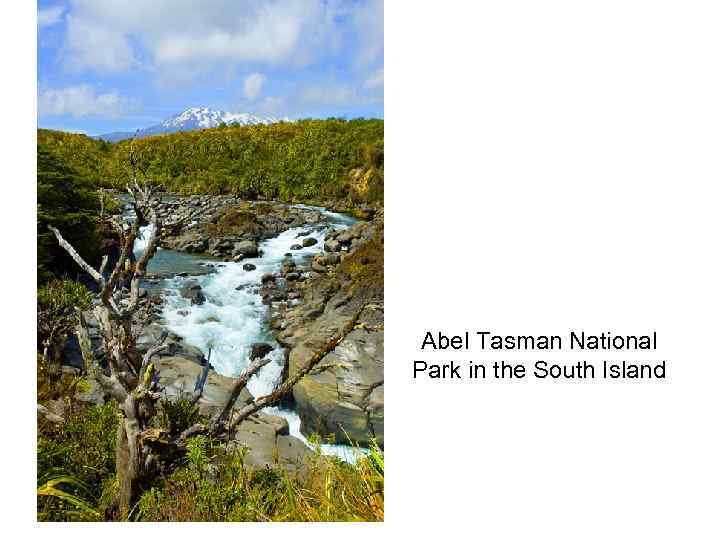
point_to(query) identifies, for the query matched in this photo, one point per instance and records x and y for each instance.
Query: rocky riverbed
(288, 276)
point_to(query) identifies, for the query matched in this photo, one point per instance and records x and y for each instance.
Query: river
(233, 316)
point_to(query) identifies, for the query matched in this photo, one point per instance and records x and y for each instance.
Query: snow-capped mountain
(192, 119)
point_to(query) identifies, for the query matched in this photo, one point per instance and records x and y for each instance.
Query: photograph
(210, 261)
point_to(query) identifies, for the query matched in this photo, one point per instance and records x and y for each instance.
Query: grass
(76, 463)
(215, 486)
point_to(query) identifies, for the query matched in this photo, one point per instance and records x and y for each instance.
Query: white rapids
(234, 317)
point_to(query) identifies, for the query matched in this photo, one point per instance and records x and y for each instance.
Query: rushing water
(233, 316)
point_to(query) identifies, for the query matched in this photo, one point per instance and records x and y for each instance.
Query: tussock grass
(221, 488)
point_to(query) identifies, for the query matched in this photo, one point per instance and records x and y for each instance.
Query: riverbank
(267, 273)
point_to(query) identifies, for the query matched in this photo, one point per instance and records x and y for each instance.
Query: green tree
(65, 199)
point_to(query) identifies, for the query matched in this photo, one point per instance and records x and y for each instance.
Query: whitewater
(233, 317)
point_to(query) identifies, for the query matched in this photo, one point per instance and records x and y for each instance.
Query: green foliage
(327, 490)
(178, 414)
(50, 489)
(76, 480)
(198, 453)
(308, 160)
(83, 449)
(65, 199)
(57, 302)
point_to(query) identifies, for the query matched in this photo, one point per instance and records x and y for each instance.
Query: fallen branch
(238, 387)
(286, 387)
(77, 258)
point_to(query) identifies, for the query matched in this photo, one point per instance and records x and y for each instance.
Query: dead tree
(129, 376)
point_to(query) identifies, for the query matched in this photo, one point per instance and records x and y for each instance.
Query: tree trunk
(127, 467)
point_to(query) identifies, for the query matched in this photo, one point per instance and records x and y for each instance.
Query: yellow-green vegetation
(66, 199)
(237, 220)
(362, 271)
(216, 486)
(81, 452)
(57, 302)
(76, 464)
(307, 160)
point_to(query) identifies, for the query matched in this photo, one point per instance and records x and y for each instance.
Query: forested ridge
(307, 160)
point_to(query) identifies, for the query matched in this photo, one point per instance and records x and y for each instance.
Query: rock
(193, 292)
(332, 246)
(309, 242)
(347, 399)
(295, 247)
(318, 267)
(178, 375)
(292, 276)
(246, 248)
(248, 267)
(269, 444)
(260, 350)
(267, 278)
(93, 393)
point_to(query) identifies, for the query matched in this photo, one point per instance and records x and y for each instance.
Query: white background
(549, 166)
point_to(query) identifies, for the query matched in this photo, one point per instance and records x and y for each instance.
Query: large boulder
(177, 375)
(245, 249)
(269, 443)
(345, 400)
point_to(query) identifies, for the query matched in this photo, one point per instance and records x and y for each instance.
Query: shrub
(57, 302)
(83, 450)
(307, 160)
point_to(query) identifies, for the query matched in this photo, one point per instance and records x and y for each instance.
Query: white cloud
(368, 21)
(50, 16)
(81, 101)
(92, 45)
(252, 85)
(179, 34)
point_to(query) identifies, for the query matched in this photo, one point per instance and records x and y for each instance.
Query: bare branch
(142, 262)
(195, 429)
(285, 388)
(77, 258)
(161, 346)
(49, 416)
(92, 367)
(127, 247)
(240, 384)
(103, 265)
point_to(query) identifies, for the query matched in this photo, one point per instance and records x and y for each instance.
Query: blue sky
(118, 65)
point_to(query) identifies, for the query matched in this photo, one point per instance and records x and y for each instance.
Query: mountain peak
(195, 118)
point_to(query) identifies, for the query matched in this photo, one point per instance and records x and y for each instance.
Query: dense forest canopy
(307, 160)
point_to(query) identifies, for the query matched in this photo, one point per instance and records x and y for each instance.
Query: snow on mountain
(192, 119)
